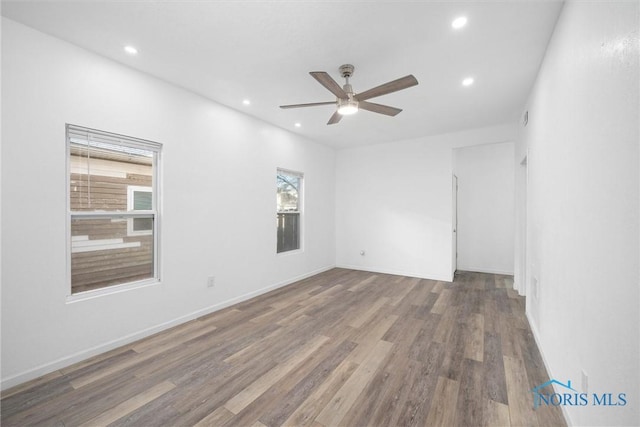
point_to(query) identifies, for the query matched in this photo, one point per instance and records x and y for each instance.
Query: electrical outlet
(211, 281)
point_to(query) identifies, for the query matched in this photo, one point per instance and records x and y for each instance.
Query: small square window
(139, 199)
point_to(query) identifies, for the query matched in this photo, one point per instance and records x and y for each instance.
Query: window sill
(291, 252)
(110, 290)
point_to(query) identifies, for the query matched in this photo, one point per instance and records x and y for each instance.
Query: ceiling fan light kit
(348, 102)
(347, 107)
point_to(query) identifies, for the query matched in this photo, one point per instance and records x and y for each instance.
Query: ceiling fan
(348, 102)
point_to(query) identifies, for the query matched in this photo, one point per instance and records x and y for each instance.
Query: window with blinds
(113, 215)
(289, 208)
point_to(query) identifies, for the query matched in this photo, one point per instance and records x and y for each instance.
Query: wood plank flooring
(343, 348)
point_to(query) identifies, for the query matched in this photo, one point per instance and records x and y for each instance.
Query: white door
(454, 222)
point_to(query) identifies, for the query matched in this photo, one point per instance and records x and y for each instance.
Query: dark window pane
(142, 224)
(102, 254)
(288, 232)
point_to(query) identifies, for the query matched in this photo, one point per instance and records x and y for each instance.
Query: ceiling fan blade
(335, 118)
(312, 104)
(379, 108)
(327, 81)
(393, 86)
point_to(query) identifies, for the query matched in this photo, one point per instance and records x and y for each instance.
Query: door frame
(454, 225)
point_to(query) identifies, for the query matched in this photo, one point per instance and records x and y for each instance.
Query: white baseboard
(536, 337)
(516, 286)
(396, 272)
(69, 360)
(486, 270)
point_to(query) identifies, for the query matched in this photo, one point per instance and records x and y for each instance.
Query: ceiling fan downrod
(349, 105)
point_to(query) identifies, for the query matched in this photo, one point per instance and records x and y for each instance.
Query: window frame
(300, 211)
(154, 213)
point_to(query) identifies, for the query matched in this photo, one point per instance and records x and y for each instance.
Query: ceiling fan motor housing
(346, 70)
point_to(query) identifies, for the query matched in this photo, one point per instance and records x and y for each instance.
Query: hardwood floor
(340, 348)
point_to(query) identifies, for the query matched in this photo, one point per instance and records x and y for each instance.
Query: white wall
(583, 246)
(218, 212)
(394, 201)
(485, 207)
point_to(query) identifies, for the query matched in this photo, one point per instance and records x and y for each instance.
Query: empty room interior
(320, 213)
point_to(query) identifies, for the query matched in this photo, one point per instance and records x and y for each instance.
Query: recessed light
(298, 125)
(459, 22)
(246, 102)
(131, 50)
(468, 81)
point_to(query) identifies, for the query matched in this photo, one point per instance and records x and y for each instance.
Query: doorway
(521, 280)
(454, 222)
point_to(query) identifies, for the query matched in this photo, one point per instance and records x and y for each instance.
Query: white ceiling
(263, 51)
